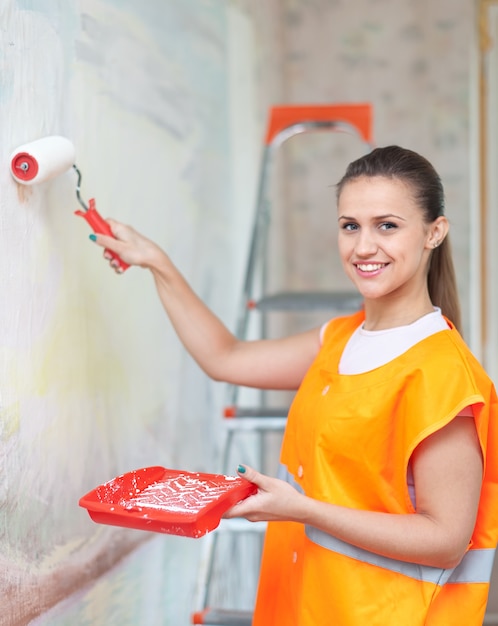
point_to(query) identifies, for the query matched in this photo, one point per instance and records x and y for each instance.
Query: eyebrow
(378, 217)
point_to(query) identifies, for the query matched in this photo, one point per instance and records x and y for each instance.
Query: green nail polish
(93, 237)
(241, 469)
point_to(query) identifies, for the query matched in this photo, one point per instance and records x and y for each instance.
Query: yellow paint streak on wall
(9, 420)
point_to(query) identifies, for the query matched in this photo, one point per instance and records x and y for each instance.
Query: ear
(438, 230)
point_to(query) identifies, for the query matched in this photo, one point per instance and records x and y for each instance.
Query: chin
(371, 294)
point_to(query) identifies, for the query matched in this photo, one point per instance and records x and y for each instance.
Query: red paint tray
(166, 501)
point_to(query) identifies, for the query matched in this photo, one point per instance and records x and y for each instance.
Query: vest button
(300, 471)
(294, 557)
(325, 390)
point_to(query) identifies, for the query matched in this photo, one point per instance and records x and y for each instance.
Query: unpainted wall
(93, 381)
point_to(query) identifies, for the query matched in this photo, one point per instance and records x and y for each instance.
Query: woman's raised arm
(266, 364)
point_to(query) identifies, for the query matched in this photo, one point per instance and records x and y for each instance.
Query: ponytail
(441, 282)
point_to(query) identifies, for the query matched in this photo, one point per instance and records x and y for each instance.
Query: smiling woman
(385, 510)
(393, 237)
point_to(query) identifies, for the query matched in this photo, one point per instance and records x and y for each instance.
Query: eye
(388, 226)
(349, 226)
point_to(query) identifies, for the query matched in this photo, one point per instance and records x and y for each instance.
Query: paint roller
(46, 158)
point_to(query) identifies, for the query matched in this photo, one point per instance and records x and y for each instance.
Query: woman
(386, 507)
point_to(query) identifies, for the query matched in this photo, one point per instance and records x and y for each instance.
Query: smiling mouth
(370, 267)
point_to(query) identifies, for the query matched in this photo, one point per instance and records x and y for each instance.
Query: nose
(365, 244)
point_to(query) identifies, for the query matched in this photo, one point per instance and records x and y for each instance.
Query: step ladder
(261, 417)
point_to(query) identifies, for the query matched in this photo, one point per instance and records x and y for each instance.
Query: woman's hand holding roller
(132, 247)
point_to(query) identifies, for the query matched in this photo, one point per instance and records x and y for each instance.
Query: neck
(381, 316)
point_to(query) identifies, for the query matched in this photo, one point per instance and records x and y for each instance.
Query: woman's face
(383, 240)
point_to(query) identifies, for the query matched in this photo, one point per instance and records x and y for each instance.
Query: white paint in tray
(181, 494)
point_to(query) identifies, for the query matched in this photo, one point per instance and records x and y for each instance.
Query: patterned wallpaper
(412, 60)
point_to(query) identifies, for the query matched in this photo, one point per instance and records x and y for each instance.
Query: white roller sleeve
(41, 160)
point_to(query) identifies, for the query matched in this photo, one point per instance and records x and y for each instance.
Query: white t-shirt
(368, 349)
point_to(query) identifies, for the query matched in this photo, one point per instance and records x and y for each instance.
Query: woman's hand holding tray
(163, 500)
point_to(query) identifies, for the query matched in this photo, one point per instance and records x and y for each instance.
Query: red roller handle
(101, 227)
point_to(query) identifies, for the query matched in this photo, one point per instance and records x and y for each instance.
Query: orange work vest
(348, 440)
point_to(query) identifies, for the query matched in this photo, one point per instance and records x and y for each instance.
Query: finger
(116, 266)
(105, 241)
(250, 474)
(118, 229)
(113, 223)
(235, 511)
(110, 244)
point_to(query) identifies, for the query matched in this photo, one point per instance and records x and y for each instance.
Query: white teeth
(370, 267)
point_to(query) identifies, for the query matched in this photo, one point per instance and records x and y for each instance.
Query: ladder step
(255, 418)
(223, 617)
(346, 301)
(255, 424)
(256, 411)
